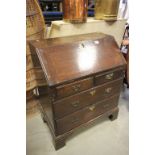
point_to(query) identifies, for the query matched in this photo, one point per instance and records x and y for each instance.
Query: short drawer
(76, 102)
(108, 76)
(73, 88)
(82, 116)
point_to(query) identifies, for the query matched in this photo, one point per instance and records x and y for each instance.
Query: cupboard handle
(75, 119)
(91, 108)
(76, 87)
(109, 76)
(93, 92)
(108, 90)
(106, 105)
(75, 104)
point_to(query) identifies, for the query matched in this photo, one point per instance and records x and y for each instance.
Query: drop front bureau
(84, 75)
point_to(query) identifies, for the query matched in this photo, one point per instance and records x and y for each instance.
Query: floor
(102, 138)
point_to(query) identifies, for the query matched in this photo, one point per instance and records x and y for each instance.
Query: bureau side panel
(47, 111)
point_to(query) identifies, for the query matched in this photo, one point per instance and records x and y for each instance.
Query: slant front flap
(74, 60)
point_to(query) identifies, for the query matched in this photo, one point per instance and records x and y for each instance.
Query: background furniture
(51, 5)
(125, 51)
(52, 10)
(75, 11)
(35, 29)
(84, 75)
(106, 9)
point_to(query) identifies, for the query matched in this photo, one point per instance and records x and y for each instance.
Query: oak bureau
(84, 75)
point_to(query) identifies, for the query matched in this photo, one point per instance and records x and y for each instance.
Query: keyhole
(82, 45)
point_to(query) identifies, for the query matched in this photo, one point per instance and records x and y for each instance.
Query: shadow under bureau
(84, 75)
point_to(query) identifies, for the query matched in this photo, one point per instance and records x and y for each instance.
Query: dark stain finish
(79, 117)
(84, 74)
(76, 102)
(73, 88)
(70, 61)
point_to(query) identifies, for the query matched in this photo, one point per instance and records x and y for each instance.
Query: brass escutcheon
(75, 104)
(108, 90)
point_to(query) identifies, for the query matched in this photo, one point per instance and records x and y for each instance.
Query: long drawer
(73, 103)
(82, 116)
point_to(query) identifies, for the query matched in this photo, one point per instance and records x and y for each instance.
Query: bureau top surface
(77, 56)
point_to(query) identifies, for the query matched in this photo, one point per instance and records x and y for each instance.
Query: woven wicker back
(35, 29)
(34, 18)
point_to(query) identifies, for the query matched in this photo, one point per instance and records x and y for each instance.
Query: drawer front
(73, 88)
(83, 99)
(82, 116)
(108, 76)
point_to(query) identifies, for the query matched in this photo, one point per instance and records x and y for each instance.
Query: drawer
(108, 76)
(73, 103)
(73, 88)
(82, 116)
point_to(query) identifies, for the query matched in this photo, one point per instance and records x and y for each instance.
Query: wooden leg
(127, 85)
(59, 143)
(43, 118)
(114, 115)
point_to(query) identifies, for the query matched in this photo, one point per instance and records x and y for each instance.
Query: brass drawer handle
(91, 108)
(109, 76)
(76, 87)
(93, 92)
(75, 104)
(108, 90)
(106, 105)
(74, 120)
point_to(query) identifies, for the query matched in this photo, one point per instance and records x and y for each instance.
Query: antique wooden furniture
(106, 9)
(35, 28)
(75, 11)
(84, 75)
